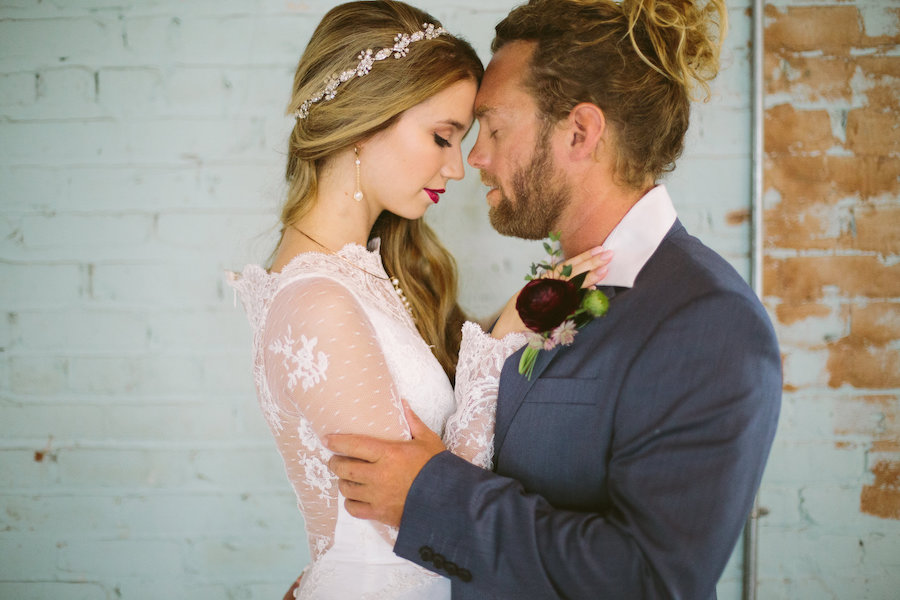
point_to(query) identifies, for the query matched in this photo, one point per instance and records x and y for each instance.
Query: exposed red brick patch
(803, 28)
(811, 78)
(791, 313)
(878, 322)
(873, 131)
(803, 278)
(878, 228)
(863, 365)
(806, 180)
(882, 498)
(787, 130)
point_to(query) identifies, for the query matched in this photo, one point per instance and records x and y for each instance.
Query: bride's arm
(470, 430)
(327, 374)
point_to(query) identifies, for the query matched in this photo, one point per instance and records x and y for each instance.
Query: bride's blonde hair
(362, 107)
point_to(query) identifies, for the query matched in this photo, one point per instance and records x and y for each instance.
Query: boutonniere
(554, 307)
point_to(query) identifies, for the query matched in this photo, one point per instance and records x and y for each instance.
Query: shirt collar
(638, 235)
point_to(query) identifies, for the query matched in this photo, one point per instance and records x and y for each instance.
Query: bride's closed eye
(442, 142)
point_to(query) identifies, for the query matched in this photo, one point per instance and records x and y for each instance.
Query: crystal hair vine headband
(367, 58)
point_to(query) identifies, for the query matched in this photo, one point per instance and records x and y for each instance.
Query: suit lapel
(513, 389)
(515, 386)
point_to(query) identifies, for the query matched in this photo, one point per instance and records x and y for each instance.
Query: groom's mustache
(488, 180)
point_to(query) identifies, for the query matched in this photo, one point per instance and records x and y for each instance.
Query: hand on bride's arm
(594, 260)
(375, 474)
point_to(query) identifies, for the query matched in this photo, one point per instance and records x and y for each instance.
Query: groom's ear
(587, 126)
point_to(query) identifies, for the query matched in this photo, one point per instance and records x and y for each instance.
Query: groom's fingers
(354, 445)
(352, 470)
(360, 510)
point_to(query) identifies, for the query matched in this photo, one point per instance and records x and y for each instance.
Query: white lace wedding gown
(334, 351)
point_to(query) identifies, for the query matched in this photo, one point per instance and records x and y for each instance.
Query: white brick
(718, 131)
(17, 89)
(31, 189)
(789, 555)
(44, 42)
(805, 368)
(238, 468)
(222, 560)
(81, 331)
(36, 285)
(86, 419)
(20, 469)
(137, 375)
(121, 469)
(37, 375)
(85, 231)
(67, 92)
(60, 515)
(159, 285)
(837, 508)
(791, 462)
(121, 558)
(78, 142)
(195, 40)
(190, 330)
(131, 91)
(782, 503)
(34, 555)
(206, 514)
(41, 590)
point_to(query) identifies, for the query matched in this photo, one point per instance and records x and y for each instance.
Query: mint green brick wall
(141, 148)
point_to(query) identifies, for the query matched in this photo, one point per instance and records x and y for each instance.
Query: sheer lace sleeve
(470, 430)
(327, 374)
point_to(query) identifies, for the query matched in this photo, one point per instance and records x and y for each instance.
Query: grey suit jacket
(627, 466)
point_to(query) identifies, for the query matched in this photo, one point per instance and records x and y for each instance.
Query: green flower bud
(595, 302)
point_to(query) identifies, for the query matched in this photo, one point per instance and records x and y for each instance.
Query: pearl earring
(358, 195)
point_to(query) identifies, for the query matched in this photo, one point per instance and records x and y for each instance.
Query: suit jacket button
(465, 575)
(451, 568)
(438, 561)
(426, 553)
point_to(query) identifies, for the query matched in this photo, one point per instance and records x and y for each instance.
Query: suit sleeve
(686, 459)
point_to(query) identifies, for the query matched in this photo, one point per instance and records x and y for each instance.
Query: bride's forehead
(453, 104)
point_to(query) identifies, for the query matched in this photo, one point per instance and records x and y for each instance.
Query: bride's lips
(434, 194)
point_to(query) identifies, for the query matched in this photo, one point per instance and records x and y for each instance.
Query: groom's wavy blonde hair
(362, 107)
(640, 61)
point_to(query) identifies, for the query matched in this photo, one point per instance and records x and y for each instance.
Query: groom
(626, 466)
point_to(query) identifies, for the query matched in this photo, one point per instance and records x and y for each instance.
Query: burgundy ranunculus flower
(545, 303)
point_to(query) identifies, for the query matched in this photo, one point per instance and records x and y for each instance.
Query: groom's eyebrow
(483, 110)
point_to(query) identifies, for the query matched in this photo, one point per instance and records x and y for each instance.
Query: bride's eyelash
(443, 143)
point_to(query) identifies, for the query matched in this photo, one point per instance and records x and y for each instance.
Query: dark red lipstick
(434, 194)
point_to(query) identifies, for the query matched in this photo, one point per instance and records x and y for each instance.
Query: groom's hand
(375, 474)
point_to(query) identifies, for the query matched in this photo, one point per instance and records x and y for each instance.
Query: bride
(358, 309)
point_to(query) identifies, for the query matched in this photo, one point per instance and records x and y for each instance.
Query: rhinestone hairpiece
(366, 59)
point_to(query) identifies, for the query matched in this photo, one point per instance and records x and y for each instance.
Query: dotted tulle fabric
(334, 351)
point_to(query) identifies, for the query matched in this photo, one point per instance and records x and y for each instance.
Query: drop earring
(358, 195)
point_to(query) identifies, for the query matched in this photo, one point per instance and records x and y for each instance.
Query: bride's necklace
(394, 281)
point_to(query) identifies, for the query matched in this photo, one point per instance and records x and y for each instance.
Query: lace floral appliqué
(309, 366)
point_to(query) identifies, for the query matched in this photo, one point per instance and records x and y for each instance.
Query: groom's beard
(540, 195)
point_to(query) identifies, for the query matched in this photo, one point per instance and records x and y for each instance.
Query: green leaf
(578, 280)
(567, 270)
(548, 249)
(526, 363)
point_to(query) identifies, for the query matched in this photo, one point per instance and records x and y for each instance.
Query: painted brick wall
(832, 280)
(141, 145)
